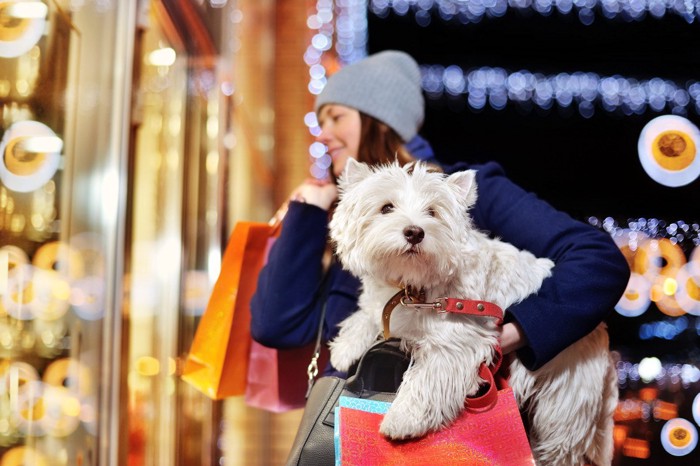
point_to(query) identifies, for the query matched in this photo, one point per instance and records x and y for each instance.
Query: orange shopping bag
(217, 363)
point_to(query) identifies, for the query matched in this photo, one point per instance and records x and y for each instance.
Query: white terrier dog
(398, 227)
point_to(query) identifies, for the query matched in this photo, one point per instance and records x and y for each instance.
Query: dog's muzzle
(413, 234)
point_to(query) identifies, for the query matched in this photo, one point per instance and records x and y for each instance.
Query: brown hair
(380, 144)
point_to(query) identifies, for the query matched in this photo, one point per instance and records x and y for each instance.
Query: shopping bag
(378, 376)
(489, 432)
(489, 437)
(277, 378)
(217, 363)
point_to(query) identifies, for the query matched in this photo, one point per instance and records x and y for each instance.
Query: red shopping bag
(494, 436)
(277, 378)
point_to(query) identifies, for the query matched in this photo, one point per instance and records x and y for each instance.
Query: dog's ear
(465, 182)
(354, 172)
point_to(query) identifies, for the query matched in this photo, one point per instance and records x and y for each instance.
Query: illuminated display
(654, 338)
(668, 150)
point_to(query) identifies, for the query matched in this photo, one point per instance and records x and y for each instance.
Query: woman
(367, 111)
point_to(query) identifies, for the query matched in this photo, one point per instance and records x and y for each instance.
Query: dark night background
(584, 166)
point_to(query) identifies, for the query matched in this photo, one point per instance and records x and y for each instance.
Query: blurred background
(134, 134)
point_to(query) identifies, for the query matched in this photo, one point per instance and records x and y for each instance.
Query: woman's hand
(317, 192)
(512, 337)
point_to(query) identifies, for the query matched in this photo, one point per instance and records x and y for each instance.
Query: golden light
(147, 366)
(27, 10)
(4, 270)
(665, 410)
(670, 286)
(693, 288)
(619, 434)
(70, 406)
(636, 448)
(162, 57)
(42, 144)
(30, 155)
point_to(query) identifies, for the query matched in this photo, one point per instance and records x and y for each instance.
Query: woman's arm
(589, 276)
(285, 309)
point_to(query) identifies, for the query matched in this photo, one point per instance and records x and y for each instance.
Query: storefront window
(155, 255)
(123, 166)
(173, 240)
(61, 122)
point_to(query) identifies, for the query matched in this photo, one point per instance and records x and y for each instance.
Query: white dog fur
(570, 401)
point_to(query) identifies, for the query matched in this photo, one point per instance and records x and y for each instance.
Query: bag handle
(382, 366)
(380, 369)
(487, 400)
(312, 369)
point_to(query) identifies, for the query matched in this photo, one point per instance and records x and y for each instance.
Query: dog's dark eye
(431, 212)
(387, 208)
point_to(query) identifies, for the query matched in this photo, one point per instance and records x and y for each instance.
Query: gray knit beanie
(386, 86)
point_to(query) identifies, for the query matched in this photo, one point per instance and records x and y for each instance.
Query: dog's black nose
(413, 234)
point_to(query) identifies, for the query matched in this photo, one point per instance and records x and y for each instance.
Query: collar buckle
(437, 305)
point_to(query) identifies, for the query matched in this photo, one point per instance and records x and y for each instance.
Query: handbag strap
(380, 369)
(312, 369)
(382, 366)
(485, 401)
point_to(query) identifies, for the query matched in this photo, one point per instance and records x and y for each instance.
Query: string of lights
(678, 232)
(496, 87)
(320, 23)
(651, 370)
(350, 33)
(351, 25)
(350, 30)
(473, 11)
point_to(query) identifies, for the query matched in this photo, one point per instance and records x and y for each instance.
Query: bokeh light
(473, 11)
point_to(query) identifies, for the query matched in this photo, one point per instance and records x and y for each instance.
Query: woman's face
(340, 132)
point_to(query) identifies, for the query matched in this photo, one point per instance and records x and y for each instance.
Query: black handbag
(377, 376)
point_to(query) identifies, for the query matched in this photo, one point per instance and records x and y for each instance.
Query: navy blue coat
(589, 276)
